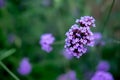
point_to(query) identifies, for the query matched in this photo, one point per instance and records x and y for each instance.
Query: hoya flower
(77, 40)
(71, 75)
(86, 21)
(101, 75)
(46, 41)
(24, 67)
(103, 66)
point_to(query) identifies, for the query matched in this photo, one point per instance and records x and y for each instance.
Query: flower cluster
(101, 75)
(71, 75)
(79, 36)
(86, 21)
(46, 41)
(103, 66)
(24, 67)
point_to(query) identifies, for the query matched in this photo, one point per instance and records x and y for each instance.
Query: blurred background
(22, 22)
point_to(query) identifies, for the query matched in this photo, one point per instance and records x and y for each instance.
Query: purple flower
(101, 75)
(2, 3)
(86, 21)
(71, 75)
(46, 41)
(77, 40)
(98, 39)
(103, 66)
(80, 36)
(97, 36)
(24, 67)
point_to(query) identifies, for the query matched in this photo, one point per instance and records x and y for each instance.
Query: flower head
(24, 67)
(71, 75)
(77, 40)
(86, 21)
(101, 75)
(46, 41)
(103, 66)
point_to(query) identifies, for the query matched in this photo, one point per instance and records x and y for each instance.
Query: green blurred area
(27, 20)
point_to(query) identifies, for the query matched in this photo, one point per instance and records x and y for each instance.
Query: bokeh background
(22, 22)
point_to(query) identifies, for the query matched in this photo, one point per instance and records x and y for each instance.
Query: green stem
(108, 15)
(7, 53)
(13, 75)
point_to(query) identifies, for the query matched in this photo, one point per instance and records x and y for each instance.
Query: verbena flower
(77, 40)
(86, 21)
(24, 67)
(98, 39)
(103, 66)
(101, 75)
(46, 41)
(71, 75)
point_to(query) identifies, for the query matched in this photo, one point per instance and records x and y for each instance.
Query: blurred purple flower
(98, 39)
(24, 67)
(77, 39)
(67, 54)
(2, 3)
(103, 66)
(71, 75)
(46, 41)
(97, 36)
(101, 75)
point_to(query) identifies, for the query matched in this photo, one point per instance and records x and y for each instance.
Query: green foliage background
(27, 20)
